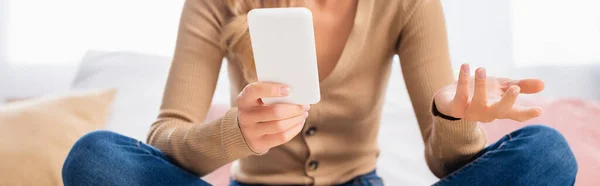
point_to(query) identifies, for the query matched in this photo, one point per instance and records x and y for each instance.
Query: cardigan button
(313, 165)
(311, 131)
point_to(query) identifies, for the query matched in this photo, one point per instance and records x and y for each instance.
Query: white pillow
(139, 80)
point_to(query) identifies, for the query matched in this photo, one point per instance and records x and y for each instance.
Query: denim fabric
(533, 155)
(107, 158)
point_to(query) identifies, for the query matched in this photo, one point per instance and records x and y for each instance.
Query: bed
(139, 80)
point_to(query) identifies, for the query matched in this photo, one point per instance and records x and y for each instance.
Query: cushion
(37, 134)
(139, 80)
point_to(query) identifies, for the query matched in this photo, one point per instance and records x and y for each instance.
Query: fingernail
(306, 107)
(539, 111)
(466, 68)
(516, 90)
(481, 73)
(284, 90)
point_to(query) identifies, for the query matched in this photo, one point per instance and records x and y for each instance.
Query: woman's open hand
(492, 98)
(266, 126)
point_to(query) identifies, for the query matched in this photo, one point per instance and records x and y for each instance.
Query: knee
(87, 154)
(93, 142)
(543, 138)
(548, 148)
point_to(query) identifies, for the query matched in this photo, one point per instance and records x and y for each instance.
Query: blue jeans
(533, 155)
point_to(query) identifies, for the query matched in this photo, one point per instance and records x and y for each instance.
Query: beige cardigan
(339, 140)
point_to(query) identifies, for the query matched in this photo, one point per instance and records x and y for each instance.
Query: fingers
(274, 127)
(250, 96)
(276, 112)
(528, 86)
(520, 113)
(461, 98)
(478, 110)
(283, 137)
(479, 101)
(502, 108)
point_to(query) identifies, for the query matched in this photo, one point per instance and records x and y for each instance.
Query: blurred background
(36, 36)
(53, 47)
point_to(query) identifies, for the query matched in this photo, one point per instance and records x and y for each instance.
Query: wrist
(437, 113)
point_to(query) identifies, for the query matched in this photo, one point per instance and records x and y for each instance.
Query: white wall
(497, 34)
(3, 21)
(480, 33)
(61, 31)
(3, 66)
(556, 32)
(45, 42)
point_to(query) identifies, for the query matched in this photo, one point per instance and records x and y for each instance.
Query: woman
(332, 142)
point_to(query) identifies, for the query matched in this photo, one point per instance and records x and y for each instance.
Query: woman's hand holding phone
(267, 126)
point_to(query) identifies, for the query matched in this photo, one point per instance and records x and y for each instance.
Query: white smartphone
(283, 42)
